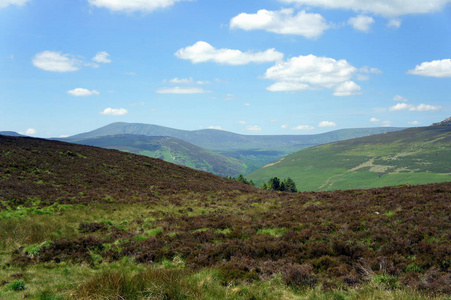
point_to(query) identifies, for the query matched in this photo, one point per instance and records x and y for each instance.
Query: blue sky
(250, 67)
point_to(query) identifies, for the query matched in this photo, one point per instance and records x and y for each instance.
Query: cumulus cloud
(414, 123)
(133, 5)
(102, 57)
(284, 126)
(385, 8)
(312, 72)
(56, 62)
(30, 131)
(242, 122)
(309, 25)
(182, 90)
(435, 68)
(361, 23)
(422, 107)
(181, 80)
(348, 88)
(204, 52)
(5, 3)
(303, 127)
(399, 98)
(253, 128)
(374, 120)
(327, 124)
(114, 111)
(80, 92)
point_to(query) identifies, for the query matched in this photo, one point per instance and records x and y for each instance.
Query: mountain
(410, 156)
(255, 150)
(172, 150)
(10, 133)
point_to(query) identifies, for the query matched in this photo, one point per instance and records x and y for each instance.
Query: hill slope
(254, 150)
(415, 156)
(37, 169)
(81, 222)
(172, 150)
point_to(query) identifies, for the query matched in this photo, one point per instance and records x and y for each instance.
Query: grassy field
(411, 156)
(80, 222)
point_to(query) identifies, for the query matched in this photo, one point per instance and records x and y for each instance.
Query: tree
(274, 184)
(289, 185)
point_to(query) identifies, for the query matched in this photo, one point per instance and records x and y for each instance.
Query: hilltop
(171, 150)
(82, 222)
(410, 156)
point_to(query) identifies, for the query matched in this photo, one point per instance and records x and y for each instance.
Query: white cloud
(361, 23)
(309, 25)
(102, 57)
(425, 107)
(247, 104)
(435, 68)
(5, 3)
(56, 62)
(284, 126)
(253, 128)
(133, 5)
(304, 127)
(414, 123)
(399, 98)
(182, 90)
(204, 52)
(114, 111)
(327, 124)
(312, 72)
(80, 92)
(181, 80)
(386, 8)
(375, 120)
(394, 23)
(422, 107)
(363, 71)
(30, 131)
(215, 127)
(348, 88)
(242, 122)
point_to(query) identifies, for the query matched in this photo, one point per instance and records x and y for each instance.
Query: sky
(249, 67)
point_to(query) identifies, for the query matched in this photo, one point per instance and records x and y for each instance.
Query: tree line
(274, 183)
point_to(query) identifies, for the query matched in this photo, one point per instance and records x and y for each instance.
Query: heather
(80, 222)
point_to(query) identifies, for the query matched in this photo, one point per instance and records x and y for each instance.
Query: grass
(412, 156)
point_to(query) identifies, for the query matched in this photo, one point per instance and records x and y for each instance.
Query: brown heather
(396, 237)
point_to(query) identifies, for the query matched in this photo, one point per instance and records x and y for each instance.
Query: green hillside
(254, 150)
(172, 150)
(411, 156)
(81, 222)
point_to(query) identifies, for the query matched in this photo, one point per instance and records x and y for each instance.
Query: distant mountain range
(10, 133)
(411, 156)
(172, 150)
(254, 150)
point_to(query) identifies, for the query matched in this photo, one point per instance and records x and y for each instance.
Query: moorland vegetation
(79, 222)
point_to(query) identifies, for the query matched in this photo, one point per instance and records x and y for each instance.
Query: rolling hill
(254, 150)
(171, 150)
(411, 156)
(81, 222)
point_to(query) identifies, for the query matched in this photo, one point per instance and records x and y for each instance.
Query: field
(79, 222)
